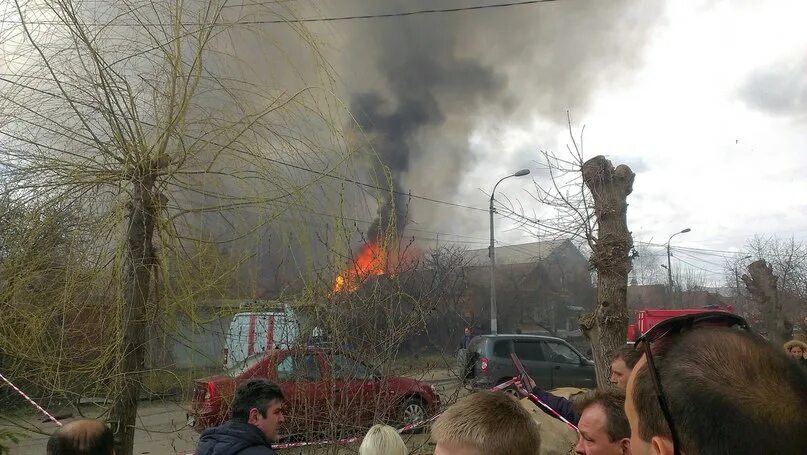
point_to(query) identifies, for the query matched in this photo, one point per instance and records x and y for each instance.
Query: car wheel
(411, 411)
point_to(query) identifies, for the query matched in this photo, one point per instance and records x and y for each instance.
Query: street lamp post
(492, 253)
(669, 266)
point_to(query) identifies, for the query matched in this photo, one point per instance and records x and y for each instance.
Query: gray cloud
(781, 90)
(422, 84)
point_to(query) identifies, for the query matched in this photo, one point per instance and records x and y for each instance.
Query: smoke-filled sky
(705, 100)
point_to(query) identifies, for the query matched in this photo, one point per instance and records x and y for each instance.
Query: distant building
(540, 287)
(655, 296)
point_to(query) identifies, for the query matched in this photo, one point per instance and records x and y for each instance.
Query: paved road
(162, 427)
(162, 430)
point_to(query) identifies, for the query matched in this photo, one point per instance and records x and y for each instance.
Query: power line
(316, 19)
(693, 249)
(445, 235)
(712, 272)
(695, 258)
(356, 182)
(290, 165)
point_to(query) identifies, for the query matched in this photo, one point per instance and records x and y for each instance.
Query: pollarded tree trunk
(139, 258)
(606, 327)
(762, 285)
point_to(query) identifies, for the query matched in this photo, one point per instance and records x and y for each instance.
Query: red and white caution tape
(356, 439)
(538, 401)
(407, 427)
(28, 399)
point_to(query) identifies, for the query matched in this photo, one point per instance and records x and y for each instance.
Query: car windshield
(344, 367)
(244, 365)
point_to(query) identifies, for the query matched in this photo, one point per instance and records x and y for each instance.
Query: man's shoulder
(257, 450)
(234, 438)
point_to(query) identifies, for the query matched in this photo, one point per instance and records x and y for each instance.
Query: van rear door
(238, 339)
(254, 333)
(266, 328)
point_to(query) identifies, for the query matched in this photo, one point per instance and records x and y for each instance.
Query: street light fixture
(492, 252)
(669, 267)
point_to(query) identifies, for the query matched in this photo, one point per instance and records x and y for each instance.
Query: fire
(371, 260)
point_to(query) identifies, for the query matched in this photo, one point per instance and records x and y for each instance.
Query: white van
(256, 332)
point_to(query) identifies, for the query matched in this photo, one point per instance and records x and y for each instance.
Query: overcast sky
(714, 124)
(711, 115)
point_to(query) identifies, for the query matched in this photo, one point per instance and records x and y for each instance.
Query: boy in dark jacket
(256, 416)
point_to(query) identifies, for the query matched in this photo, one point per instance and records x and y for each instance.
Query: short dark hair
(628, 354)
(82, 437)
(255, 393)
(729, 391)
(613, 403)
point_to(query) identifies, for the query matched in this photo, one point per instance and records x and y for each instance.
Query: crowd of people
(696, 384)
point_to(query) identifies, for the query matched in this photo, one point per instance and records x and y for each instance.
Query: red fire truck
(647, 318)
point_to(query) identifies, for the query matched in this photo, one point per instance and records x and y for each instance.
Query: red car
(324, 389)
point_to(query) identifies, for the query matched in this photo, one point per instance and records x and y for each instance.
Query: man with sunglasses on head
(706, 385)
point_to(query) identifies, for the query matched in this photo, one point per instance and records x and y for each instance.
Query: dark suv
(551, 361)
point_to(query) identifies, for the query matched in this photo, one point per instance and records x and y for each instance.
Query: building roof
(524, 253)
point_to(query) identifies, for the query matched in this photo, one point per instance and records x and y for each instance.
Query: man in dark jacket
(622, 362)
(256, 416)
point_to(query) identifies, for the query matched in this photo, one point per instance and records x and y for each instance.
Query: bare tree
(589, 201)
(733, 271)
(606, 327)
(647, 265)
(788, 260)
(762, 284)
(690, 280)
(133, 115)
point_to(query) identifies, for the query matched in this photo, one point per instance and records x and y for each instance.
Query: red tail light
(210, 394)
(483, 365)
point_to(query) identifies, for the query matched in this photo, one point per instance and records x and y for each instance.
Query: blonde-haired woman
(382, 440)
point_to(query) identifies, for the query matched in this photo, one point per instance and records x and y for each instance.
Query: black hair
(255, 393)
(628, 354)
(613, 403)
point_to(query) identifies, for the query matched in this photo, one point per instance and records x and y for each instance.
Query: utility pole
(669, 266)
(492, 254)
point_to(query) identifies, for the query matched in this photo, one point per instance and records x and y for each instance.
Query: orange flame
(371, 260)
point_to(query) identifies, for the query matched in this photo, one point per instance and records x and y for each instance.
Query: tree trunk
(762, 285)
(139, 258)
(606, 327)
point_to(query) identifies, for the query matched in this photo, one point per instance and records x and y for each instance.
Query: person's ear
(624, 446)
(252, 417)
(661, 445)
